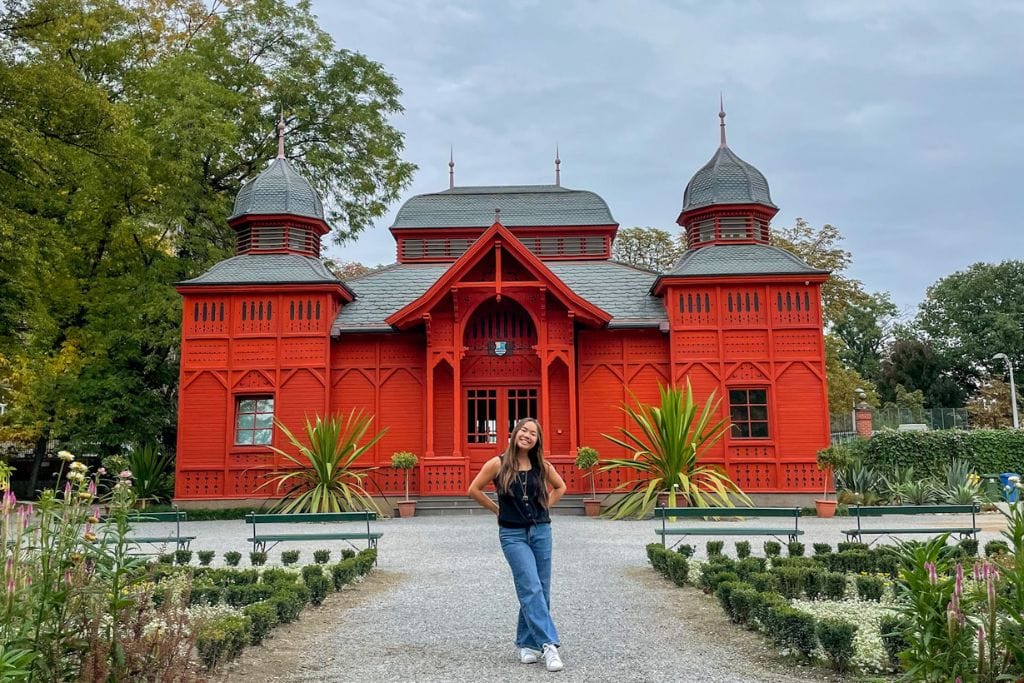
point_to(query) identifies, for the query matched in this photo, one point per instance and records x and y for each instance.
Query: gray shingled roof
(259, 269)
(279, 189)
(618, 289)
(739, 259)
(521, 205)
(726, 179)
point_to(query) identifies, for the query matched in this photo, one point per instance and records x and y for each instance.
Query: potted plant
(836, 455)
(586, 459)
(404, 460)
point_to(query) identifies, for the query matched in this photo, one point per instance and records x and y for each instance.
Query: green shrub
(287, 603)
(822, 549)
(795, 548)
(222, 639)
(262, 620)
(311, 570)
(678, 568)
(276, 576)
(835, 585)
(763, 582)
(182, 556)
(319, 586)
(345, 572)
(711, 577)
(814, 583)
(987, 450)
(654, 552)
(686, 550)
(772, 548)
(891, 627)
(741, 603)
(742, 549)
(205, 595)
(365, 560)
(715, 548)
(322, 556)
(165, 558)
(722, 592)
(870, 587)
(791, 581)
(347, 553)
(997, 547)
(766, 609)
(289, 557)
(232, 558)
(798, 631)
(750, 565)
(258, 558)
(856, 561)
(969, 547)
(887, 563)
(206, 557)
(836, 637)
(240, 595)
(851, 545)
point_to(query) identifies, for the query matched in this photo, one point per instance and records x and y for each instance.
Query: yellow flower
(85, 495)
(93, 520)
(90, 537)
(65, 456)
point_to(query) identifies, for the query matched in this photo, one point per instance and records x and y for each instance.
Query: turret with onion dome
(278, 212)
(727, 201)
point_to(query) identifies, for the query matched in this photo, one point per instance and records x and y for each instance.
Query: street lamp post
(1013, 388)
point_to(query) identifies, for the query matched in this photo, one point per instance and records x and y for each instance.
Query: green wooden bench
(861, 511)
(734, 513)
(176, 516)
(260, 539)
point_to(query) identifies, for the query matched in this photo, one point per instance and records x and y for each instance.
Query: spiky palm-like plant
(666, 455)
(326, 480)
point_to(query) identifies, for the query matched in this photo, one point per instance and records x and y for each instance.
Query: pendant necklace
(522, 484)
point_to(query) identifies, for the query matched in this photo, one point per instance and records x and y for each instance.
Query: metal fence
(843, 428)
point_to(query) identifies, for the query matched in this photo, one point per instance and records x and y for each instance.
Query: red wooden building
(503, 303)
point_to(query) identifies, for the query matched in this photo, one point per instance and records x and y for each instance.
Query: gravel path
(445, 609)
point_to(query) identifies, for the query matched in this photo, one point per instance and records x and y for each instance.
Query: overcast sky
(900, 123)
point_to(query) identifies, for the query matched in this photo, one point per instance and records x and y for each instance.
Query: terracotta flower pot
(592, 506)
(407, 508)
(825, 508)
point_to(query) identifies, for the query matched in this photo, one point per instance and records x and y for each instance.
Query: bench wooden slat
(913, 530)
(302, 517)
(160, 539)
(691, 512)
(879, 510)
(143, 517)
(340, 536)
(697, 531)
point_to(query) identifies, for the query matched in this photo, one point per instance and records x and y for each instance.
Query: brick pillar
(865, 423)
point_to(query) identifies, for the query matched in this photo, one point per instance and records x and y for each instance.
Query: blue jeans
(528, 552)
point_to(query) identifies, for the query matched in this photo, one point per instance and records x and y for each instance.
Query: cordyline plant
(326, 479)
(666, 454)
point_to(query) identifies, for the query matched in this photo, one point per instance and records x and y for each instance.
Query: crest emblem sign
(500, 348)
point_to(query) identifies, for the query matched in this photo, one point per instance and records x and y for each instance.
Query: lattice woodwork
(205, 316)
(696, 344)
(246, 482)
(797, 343)
(255, 316)
(200, 484)
(741, 307)
(205, 353)
(240, 459)
(748, 344)
(444, 480)
(254, 380)
(392, 481)
(795, 306)
(802, 476)
(303, 350)
(750, 452)
(501, 321)
(255, 352)
(480, 367)
(607, 481)
(753, 476)
(696, 307)
(748, 372)
(308, 314)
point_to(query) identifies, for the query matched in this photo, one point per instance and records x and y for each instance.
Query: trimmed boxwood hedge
(990, 451)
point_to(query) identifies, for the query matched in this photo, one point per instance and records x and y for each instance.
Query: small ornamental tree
(404, 460)
(586, 459)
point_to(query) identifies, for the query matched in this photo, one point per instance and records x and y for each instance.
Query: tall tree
(990, 407)
(126, 129)
(648, 248)
(913, 364)
(865, 327)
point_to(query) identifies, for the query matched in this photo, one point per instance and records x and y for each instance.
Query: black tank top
(520, 507)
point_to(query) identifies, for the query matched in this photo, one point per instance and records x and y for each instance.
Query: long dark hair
(510, 461)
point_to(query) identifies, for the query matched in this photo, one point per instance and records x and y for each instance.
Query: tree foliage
(990, 407)
(864, 327)
(648, 248)
(126, 129)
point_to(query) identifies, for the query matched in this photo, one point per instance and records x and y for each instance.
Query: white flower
(65, 456)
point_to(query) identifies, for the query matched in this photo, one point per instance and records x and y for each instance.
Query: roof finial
(497, 215)
(721, 115)
(280, 135)
(558, 170)
(451, 167)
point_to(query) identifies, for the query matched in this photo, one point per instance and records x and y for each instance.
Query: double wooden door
(491, 413)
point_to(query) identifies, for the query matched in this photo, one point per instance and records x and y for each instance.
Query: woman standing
(522, 477)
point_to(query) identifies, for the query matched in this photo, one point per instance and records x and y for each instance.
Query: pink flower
(933, 578)
(958, 588)
(981, 636)
(10, 586)
(67, 490)
(125, 474)
(101, 471)
(92, 488)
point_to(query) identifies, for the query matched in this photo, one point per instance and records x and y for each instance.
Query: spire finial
(497, 215)
(558, 170)
(280, 135)
(451, 167)
(721, 115)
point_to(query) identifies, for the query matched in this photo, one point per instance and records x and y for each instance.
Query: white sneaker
(528, 655)
(551, 658)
